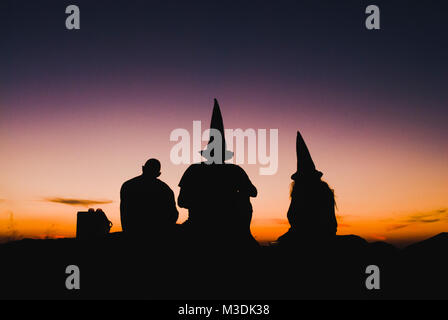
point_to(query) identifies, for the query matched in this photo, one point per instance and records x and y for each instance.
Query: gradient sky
(81, 111)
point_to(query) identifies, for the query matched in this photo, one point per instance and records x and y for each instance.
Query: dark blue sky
(276, 48)
(311, 40)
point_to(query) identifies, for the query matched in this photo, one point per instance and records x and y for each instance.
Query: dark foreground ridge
(117, 267)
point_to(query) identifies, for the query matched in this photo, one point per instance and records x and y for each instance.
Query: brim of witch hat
(217, 123)
(209, 154)
(305, 164)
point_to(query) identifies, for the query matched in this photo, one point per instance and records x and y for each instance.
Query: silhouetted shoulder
(163, 186)
(236, 171)
(131, 182)
(190, 174)
(242, 179)
(236, 168)
(325, 188)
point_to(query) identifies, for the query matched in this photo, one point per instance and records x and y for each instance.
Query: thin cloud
(429, 217)
(77, 202)
(420, 218)
(397, 227)
(429, 220)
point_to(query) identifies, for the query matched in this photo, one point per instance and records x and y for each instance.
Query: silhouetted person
(311, 213)
(217, 194)
(148, 207)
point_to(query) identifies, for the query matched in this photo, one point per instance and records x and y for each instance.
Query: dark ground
(120, 268)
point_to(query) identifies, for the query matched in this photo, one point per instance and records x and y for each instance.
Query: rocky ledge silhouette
(117, 267)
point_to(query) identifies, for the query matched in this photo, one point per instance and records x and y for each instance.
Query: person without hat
(148, 207)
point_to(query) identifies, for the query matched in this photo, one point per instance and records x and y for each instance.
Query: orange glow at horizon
(388, 185)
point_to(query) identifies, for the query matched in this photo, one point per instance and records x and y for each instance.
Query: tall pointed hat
(305, 164)
(218, 124)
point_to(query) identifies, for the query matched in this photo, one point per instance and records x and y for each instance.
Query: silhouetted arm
(334, 222)
(182, 199)
(292, 214)
(185, 195)
(123, 209)
(329, 213)
(246, 185)
(252, 190)
(173, 213)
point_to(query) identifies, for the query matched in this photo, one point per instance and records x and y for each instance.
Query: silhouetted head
(151, 169)
(312, 188)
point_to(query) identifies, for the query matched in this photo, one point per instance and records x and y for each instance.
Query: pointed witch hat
(305, 164)
(217, 124)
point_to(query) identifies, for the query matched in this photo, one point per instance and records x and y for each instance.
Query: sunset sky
(81, 111)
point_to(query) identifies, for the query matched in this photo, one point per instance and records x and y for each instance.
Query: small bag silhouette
(92, 224)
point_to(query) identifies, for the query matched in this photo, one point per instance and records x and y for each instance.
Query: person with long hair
(311, 213)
